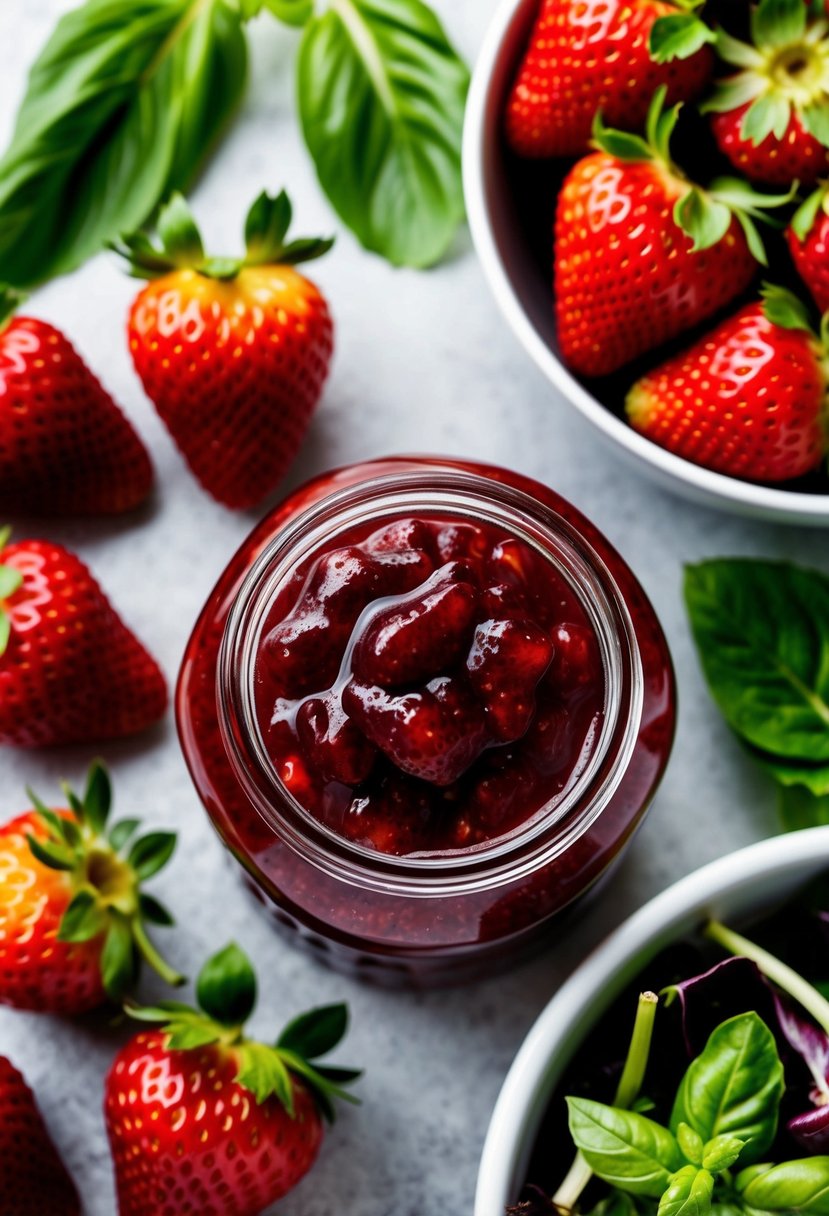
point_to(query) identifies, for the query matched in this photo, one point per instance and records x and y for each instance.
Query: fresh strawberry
(233, 352)
(65, 447)
(72, 914)
(641, 253)
(771, 119)
(589, 55)
(749, 399)
(808, 237)
(35, 1181)
(202, 1119)
(70, 670)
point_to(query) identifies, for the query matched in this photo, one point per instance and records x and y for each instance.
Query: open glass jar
(426, 706)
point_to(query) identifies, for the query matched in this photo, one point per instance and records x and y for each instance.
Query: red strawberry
(233, 353)
(771, 119)
(747, 400)
(202, 1119)
(641, 253)
(72, 915)
(589, 55)
(808, 237)
(70, 670)
(65, 447)
(35, 1181)
(505, 663)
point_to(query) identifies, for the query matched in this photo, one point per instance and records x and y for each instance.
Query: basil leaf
(381, 101)
(689, 1193)
(624, 1149)
(796, 1186)
(122, 104)
(799, 808)
(762, 629)
(734, 1087)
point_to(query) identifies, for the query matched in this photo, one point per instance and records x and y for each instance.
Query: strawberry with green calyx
(233, 352)
(771, 118)
(70, 669)
(642, 253)
(586, 57)
(73, 917)
(808, 239)
(65, 446)
(749, 399)
(202, 1118)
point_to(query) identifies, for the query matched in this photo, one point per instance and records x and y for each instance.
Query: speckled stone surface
(424, 362)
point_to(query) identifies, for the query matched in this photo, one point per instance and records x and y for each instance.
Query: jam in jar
(425, 707)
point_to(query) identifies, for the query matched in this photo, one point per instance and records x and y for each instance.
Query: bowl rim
(784, 505)
(655, 924)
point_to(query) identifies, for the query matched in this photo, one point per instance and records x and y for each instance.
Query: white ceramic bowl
(728, 889)
(524, 295)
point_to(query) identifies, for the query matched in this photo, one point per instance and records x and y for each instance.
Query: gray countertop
(424, 362)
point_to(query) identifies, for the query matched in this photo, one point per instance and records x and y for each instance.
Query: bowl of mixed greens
(684, 1067)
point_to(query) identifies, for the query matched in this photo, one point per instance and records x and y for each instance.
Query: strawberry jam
(425, 707)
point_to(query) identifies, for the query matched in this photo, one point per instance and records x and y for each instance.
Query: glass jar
(448, 915)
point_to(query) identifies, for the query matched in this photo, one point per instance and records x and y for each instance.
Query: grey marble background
(423, 363)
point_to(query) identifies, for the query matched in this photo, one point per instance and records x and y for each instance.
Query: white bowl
(728, 889)
(525, 297)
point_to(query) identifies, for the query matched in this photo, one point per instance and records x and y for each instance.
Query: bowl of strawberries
(648, 190)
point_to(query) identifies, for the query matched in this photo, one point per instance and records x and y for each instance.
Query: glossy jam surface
(428, 686)
(397, 914)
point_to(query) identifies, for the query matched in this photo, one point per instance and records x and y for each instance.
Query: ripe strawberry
(771, 119)
(202, 1119)
(35, 1181)
(808, 237)
(233, 352)
(65, 447)
(70, 670)
(641, 253)
(749, 399)
(589, 56)
(72, 914)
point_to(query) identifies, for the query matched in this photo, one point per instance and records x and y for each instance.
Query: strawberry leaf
(153, 910)
(151, 853)
(804, 218)
(186, 1036)
(703, 219)
(55, 856)
(776, 23)
(178, 232)
(783, 308)
(83, 919)
(10, 301)
(316, 1032)
(10, 581)
(815, 119)
(624, 145)
(768, 115)
(97, 798)
(122, 831)
(117, 957)
(266, 228)
(263, 1072)
(678, 36)
(226, 987)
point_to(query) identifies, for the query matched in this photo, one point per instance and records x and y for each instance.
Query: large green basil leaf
(734, 1087)
(688, 1194)
(795, 1186)
(122, 105)
(623, 1148)
(762, 629)
(381, 99)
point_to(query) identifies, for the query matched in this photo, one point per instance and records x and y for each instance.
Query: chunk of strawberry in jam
(576, 657)
(303, 652)
(461, 542)
(395, 818)
(502, 600)
(421, 635)
(434, 734)
(401, 535)
(332, 743)
(506, 661)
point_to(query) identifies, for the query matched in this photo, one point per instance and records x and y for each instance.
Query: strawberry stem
(151, 955)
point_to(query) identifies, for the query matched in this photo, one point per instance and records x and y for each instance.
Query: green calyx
(107, 866)
(804, 218)
(703, 213)
(179, 245)
(782, 307)
(226, 995)
(10, 581)
(681, 34)
(10, 301)
(784, 73)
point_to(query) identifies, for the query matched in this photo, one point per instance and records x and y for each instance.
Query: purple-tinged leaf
(811, 1130)
(733, 986)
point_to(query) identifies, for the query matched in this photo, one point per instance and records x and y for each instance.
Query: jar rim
(558, 824)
